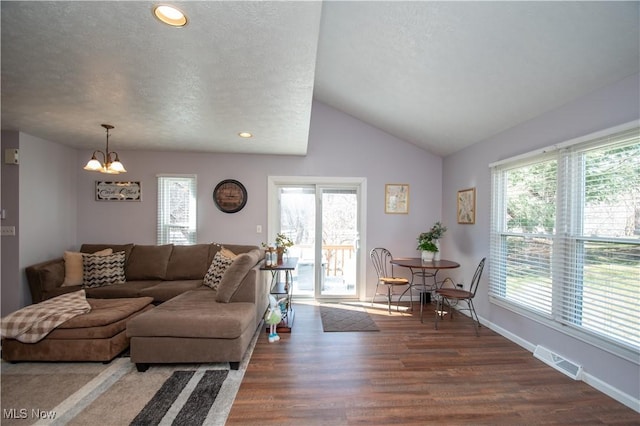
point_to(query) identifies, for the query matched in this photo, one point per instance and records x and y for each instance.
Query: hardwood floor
(409, 373)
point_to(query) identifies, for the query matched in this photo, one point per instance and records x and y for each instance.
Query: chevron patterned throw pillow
(103, 270)
(221, 262)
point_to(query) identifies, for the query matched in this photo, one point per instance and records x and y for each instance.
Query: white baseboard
(614, 393)
(592, 381)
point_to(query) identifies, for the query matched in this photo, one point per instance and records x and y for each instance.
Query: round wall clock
(230, 196)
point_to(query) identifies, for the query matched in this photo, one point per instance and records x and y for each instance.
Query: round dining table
(425, 269)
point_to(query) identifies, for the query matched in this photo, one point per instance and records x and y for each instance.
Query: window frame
(565, 237)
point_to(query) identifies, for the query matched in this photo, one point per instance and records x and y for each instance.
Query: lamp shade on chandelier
(110, 161)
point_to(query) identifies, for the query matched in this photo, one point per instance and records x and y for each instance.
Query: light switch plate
(11, 156)
(8, 231)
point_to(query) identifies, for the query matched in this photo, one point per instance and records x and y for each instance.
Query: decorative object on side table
(273, 317)
(467, 206)
(428, 242)
(282, 246)
(230, 196)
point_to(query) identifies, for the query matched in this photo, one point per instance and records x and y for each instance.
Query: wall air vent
(558, 362)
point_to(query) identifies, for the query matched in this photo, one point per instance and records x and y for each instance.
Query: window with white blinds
(177, 209)
(565, 237)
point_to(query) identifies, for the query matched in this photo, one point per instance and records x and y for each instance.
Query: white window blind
(565, 237)
(177, 209)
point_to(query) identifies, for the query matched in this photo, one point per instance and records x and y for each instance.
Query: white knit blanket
(32, 323)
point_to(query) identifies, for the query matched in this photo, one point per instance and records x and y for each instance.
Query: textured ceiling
(441, 75)
(67, 67)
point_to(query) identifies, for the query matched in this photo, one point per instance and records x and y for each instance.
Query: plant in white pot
(428, 242)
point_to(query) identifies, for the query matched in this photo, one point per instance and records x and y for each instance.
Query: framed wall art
(118, 191)
(396, 198)
(467, 206)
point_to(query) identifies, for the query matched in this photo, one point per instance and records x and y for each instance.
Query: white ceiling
(441, 75)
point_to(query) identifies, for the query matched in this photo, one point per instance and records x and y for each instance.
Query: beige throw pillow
(73, 274)
(228, 253)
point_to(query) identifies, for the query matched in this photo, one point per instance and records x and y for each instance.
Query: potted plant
(283, 241)
(428, 242)
(282, 246)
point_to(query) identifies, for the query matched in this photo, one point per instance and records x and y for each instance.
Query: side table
(280, 289)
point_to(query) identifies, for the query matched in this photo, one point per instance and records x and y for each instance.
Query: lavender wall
(47, 203)
(602, 109)
(10, 272)
(339, 146)
(39, 196)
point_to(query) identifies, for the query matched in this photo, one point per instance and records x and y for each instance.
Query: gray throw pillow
(234, 275)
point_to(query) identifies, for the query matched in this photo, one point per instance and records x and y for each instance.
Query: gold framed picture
(467, 206)
(396, 198)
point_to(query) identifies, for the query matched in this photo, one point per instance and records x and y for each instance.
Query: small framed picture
(396, 198)
(118, 191)
(467, 206)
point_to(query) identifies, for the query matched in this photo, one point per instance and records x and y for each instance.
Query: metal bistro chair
(456, 295)
(381, 258)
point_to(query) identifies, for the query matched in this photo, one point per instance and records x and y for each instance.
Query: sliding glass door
(340, 242)
(324, 221)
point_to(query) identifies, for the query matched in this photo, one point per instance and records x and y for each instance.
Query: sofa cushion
(92, 248)
(166, 290)
(188, 262)
(234, 275)
(221, 262)
(103, 270)
(195, 314)
(148, 262)
(107, 318)
(121, 290)
(73, 269)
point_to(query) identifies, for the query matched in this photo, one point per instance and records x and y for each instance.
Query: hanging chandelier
(110, 162)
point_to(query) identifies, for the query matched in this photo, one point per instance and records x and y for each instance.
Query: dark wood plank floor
(409, 373)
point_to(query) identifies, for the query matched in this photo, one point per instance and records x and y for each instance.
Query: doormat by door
(336, 317)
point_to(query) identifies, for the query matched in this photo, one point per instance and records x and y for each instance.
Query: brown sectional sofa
(191, 322)
(161, 272)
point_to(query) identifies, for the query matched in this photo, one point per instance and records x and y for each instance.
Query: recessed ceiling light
(170, 15)
(245, 135)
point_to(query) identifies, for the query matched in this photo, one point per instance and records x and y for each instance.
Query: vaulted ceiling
(440, 75)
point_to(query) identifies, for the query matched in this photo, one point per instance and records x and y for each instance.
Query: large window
(177, 209)
(565, 238)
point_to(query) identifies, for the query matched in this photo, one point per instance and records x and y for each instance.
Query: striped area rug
(116, 394)
(184, 399)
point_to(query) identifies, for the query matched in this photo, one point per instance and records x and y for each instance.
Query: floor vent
(561, 364)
